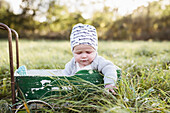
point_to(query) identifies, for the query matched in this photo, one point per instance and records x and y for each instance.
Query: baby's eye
(88, 52)
(78, 53)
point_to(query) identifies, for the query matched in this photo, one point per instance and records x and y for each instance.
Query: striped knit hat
(84, 34)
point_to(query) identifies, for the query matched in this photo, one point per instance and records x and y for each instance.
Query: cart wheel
(35, 106)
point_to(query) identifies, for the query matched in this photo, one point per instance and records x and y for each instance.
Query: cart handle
(17, 47)
(2, 26)
(5, 27)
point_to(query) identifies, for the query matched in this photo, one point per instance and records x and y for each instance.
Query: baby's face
(84, 54)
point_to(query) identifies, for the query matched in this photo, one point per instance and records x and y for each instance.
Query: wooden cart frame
(10, 31)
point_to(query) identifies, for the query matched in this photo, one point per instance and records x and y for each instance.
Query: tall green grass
(144, 86)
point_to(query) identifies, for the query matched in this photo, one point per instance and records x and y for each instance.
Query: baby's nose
(84, 55)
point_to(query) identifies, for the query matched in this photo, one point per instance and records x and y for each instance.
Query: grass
(144, 86)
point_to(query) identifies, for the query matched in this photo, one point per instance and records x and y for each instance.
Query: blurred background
(113, 19)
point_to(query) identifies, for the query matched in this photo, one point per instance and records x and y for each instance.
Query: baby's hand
(111, 88)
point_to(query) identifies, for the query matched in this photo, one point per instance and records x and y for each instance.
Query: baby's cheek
(94, 54)
(92, 57)
(76, 57)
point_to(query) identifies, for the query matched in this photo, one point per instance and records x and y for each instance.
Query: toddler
(84, 45)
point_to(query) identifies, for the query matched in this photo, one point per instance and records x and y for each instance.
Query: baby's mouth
(84, 60)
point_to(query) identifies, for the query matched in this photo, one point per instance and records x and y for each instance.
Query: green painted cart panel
(37, 87)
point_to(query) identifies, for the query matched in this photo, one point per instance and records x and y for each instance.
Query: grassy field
(144, 86)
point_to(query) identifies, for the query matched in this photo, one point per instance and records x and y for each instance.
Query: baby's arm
(110, 78)
(67, 70)
(110, 74)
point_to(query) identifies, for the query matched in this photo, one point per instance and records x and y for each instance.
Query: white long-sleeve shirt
(106, 67)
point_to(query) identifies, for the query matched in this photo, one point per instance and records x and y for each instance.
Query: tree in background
(51, 20)
(151, 22)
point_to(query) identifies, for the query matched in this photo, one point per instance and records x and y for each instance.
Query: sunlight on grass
(144, 86)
